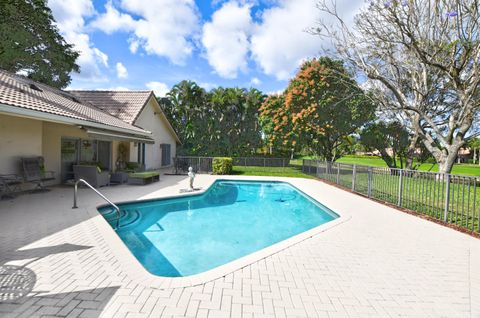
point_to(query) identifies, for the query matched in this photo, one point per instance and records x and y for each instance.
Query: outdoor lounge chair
(92, 174)
(9, 185)
(34, 172)
(143, 178)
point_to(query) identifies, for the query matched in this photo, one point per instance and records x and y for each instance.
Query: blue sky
(154, 44)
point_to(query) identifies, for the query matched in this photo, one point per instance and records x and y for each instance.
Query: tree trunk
(327, 152)
(412, 147)
(445, 165)
(387, 159)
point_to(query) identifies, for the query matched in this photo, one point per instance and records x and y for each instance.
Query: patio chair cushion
(134, 167)
(143, 177)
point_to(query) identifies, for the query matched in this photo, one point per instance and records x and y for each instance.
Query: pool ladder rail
(117, 221)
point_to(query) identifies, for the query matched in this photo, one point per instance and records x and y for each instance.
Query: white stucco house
(70, 127)
(140, 109)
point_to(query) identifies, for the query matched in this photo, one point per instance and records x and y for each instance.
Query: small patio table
(10, 185)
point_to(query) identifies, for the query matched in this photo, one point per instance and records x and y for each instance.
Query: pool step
(107, 213)
(132, 217)
(127, 217)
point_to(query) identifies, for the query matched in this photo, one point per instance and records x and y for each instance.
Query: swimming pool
(187, 235)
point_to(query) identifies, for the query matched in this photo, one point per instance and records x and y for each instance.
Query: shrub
(222, 165)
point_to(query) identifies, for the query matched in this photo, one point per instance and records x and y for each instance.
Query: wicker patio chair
(92, 174)
(33, 171)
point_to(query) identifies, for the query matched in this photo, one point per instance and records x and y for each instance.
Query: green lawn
(271, 171)
(420, 192)
(463, 169)
(366, 161)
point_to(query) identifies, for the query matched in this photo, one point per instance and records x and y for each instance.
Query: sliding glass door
(104, 154)
(69, 156)
(86, 151)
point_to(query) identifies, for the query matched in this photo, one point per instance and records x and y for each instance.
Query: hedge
(222, 165)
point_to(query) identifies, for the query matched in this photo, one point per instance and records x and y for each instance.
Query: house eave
(38, 115)
(162, 113)
(96, 133)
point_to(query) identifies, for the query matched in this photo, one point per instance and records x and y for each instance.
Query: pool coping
(137, 273)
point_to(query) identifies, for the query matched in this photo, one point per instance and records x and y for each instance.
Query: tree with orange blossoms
(323, 106)
(276, 126)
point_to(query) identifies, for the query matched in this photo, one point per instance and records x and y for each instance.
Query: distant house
(69, 127)
(464, 155)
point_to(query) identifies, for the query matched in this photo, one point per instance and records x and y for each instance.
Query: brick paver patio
(379, 263)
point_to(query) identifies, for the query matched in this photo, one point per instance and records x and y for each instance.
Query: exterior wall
(52, 138)
(158, 125)
(23, 137)
(19, 137)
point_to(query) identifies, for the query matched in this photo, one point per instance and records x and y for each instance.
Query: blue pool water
(189, 235)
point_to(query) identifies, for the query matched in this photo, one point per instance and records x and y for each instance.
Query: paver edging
(407, 211)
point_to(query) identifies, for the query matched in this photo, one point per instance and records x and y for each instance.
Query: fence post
(447, 196)
(400, 188)
(354, 176)
(199, 164)
(245, 161)
(369, 182)
(338, 173)
(264, 162)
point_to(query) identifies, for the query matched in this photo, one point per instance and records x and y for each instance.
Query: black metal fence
(450, 198)
(199, 164)
(205, 164)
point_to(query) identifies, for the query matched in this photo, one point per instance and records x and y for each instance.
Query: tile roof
(125, 105)
(19, 91)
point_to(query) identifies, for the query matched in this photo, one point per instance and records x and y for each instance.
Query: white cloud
(160, 89)
(70, 17)
(121, 70)
(277, 92)
(113, 20)
(208, 86)
(226, 39)
(133, 47)
(115, 88)
(163, 27)
(100, 56)
(280, 42)
(255, 81)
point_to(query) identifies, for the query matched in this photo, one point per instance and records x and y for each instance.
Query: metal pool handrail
(101, 195)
